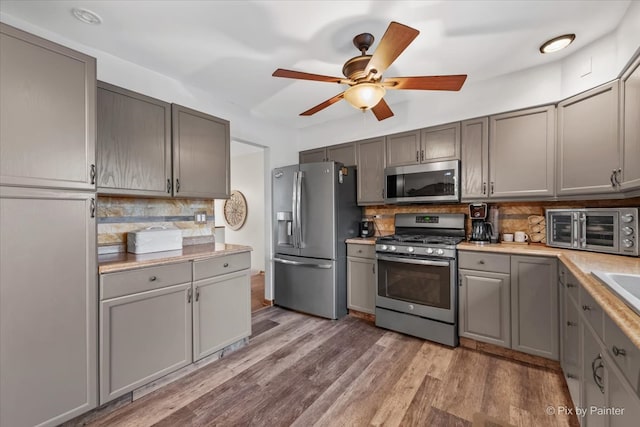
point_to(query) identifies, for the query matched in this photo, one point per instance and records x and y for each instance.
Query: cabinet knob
(570, 285)
(226, 264)
(153, 278)
(618, 351)
(481, 262)
(572, 377)
(586, 307)
(572, 324)
(359, 251)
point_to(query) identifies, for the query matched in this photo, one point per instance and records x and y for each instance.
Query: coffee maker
(366, 227)
(481, 230)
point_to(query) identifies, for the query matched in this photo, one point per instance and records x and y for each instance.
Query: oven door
(562, 228)
(423, 287)
(599, 231)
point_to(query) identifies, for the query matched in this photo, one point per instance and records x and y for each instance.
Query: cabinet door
(474, 167)
(440, 143)
(343, 153)
(521, 153)
(47, 113)
(534, 306)
(143, 337)
(571, 346)
(630, 101)
(134, 143)
(221, 312)
(200, 154)
(361, 284)
(403, 148)
(484, 307)
(48, 272)
(593, 374)
(371, 164)
(313, 156)
(620, 395)
(588, 143)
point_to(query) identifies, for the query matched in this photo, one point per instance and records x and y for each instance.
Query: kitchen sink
(626, 286)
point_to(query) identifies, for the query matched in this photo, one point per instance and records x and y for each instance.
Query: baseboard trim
(364, 316)
(508, 353)
(267, 302)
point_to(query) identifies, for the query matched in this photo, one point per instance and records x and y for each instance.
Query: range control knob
(628, 243)
(392, 248)
(410, 249)
(384, 247)
(627, 218)
(429, 250)
(440, 252)
(628, 231)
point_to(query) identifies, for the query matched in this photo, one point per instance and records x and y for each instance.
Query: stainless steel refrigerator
(314, 212)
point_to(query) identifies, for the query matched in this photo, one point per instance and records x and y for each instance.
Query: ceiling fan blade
(323, 105)
(382, 110)
(394, 41)
(453, 82)
(290, 74)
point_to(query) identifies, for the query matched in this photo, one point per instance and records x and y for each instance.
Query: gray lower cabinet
(621, 395)
(588, 142)
(361, 278)
(145, 326)
(593, 374)
(200, 154)
(221, 312)
(134, 143)
(534, 306)
(570, 345)
(48, 330)
(485, 306)
(474, 165)
(630, 104)
(47, 113)
(371, 164)
(522, 153)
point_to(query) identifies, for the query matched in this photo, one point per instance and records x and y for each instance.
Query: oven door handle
(415, 261)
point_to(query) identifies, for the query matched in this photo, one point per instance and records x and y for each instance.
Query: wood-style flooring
(305, 371)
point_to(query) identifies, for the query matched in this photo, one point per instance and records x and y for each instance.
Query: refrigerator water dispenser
(285, 228)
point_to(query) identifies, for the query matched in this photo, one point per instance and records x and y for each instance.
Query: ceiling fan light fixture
(364, 96)
(87, 16)
(557, 43)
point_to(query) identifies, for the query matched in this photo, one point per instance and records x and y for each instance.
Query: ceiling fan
(364, 74)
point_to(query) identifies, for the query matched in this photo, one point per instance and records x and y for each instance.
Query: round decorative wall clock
(235, 210)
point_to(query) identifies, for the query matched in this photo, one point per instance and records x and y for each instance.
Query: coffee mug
(507, 237)
(521, 236)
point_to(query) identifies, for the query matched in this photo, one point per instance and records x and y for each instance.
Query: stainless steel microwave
(424, 183)
(608, 230)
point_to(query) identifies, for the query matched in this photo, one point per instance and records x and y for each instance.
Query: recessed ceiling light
(86, 16)
(557, 43)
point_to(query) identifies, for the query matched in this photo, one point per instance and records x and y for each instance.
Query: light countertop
(121, 261)
(581, 264)
(362, 240)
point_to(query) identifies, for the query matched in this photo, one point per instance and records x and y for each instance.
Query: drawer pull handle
(572, 377)
(153, 278)
(572, 324)
(586, 308)
(570, 285)
(226, 264)
(618, 351)
(481, 261)
(359, 251)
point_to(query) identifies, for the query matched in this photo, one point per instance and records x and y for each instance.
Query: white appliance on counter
(154, 239)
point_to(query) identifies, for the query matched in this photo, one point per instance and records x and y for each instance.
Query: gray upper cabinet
(371, 164)
(200, 154)
(630, 102)
(588, 142)
(534, 306)
(521, 153)
(403, 148)
(440, 143)
(134, 143)
(343, 153)
(48, 357)
(313, 156)
(47, 113)
(474, 158)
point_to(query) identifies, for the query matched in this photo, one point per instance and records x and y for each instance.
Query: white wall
(247, 176)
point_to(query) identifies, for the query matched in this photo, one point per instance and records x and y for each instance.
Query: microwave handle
(583, 230)
(576, 230)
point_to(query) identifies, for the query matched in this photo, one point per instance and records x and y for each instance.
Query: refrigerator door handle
(294, 206)
(299, 207)
(303, 264)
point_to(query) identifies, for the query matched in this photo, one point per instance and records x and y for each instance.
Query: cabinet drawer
(143, 279)
(592, 312)
(221, 265)
(484, 262)
(571, 284)
(624, 353)
(361, 251)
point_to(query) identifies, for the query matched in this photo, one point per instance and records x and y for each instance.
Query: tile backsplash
(513, 215)
(118, 215)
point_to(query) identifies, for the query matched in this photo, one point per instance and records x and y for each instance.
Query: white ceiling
(231, 48)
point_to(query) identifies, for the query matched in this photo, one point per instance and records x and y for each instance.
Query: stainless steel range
(417, 276)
